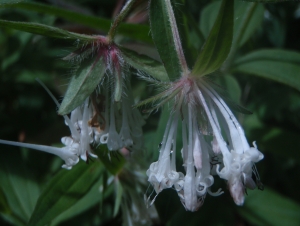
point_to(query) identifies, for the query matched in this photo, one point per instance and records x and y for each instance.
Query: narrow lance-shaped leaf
(278, 65)
(270, 208)
(82, 84)
(41, 29)
(269, 1)
(245, 22)
(146, 64)
(250, 17)
(20, 190)
(119, 194)
(113, 161)
(218, 43)
(135, 31)
(90, 199)
(63, 191)
(9, 2)
(161, 28)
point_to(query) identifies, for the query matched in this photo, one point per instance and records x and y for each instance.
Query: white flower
(84, 135)
(123, 125)
(77, 145)
(112, 99)
(196, 156)
(162, 174)
(195, 184)
(238, 156)
(204, 151)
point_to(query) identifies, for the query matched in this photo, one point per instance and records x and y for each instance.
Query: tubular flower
(204, 153)
(122, 125)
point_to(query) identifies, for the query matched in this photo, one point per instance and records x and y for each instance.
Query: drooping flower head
(223, 151)
(213, 142)
(112, 96)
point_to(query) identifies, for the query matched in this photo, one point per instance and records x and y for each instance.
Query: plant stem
(119, 18)
(176, 39)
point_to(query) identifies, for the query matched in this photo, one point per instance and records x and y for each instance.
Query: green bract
(87, 77)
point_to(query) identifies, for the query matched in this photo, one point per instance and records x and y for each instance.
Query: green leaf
(279, 55)
(20, 190)
(4, 207)
(231, 86)
(208, 17)
(134, 31)
(163, 37)
(146, 64)
(249, 17)
(112, 160)
(13, 220)
(8, 2)
(268, 1)
(63, 191)
(275, 64)
(89, 200)
(41, 29)
(218, 43)
(270, 208)
(210, 12)
(229, 89)
(231, 92)
(119, 194)
(87, 78)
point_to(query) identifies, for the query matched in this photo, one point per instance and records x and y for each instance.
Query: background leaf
(41, 29)
(250, 16)
(208, 17)
(278, 65)
(270, 208)
(25, 111)
(112, 160)
(64, 190)
(90, 199)
(231, 87)
(218, 43)
(119, 194)
(268, 1)
(210, 12)
(134, 31)
(6, 2)
(19, 188)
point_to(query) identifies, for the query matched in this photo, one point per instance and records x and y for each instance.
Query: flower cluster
(213, 143)
(106, 117)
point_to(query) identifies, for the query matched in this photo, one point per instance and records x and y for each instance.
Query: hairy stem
(176, 39)
(120, 17)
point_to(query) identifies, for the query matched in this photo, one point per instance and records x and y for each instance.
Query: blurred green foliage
(262, 74)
